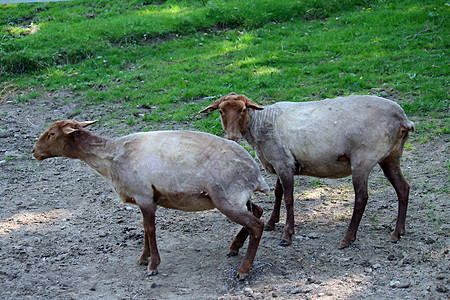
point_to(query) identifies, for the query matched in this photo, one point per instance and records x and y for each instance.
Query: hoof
(232, 253)
(345, 244)
(242, 277)
(142, 262)
(285, 243)
(393, 239)
(152, 272)
(269, 228)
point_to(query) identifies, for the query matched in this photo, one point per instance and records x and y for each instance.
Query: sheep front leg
(275, 216)
(148, 214)
(143, 260)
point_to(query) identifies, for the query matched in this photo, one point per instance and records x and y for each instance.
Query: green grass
(176, 56)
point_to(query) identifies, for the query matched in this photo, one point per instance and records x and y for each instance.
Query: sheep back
(184, 168)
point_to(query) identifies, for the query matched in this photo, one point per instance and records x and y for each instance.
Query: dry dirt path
(65, 235)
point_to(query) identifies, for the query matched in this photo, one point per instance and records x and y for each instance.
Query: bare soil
(65, 235)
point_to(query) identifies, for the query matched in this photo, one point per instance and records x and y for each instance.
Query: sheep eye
(244, 110)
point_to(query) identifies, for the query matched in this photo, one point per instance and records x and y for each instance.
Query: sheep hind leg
(287, 180)
(148, 214)
(392, 171)
(275, 216)
(254, 227)
(361, 196)
(240, 238)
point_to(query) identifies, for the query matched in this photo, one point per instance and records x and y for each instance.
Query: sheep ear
(213, 106)
(253, 105)
(68, 129)
(87, 123)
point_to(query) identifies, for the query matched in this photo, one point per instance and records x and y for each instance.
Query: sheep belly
(326, 169)
(186, 202)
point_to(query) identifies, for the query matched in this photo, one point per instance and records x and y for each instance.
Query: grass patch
(176, 56)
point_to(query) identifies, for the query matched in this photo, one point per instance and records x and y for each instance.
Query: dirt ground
(65, 235)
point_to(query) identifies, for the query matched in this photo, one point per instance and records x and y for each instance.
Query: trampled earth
(64, 234)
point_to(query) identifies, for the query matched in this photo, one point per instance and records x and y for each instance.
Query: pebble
(248, 292)
(441, 289)
(400, 284)
(313, 235)
(376, 266)
(311, 279)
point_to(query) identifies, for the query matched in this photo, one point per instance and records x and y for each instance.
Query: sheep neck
(261, 123)
(95, 151)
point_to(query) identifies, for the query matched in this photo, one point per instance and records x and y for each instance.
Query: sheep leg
(253, 225)
(361, 196)
(287, 180)
(255, 228)
(240, 238)
(149, 228)
(143, 260)
(275, 216)
(391, 169)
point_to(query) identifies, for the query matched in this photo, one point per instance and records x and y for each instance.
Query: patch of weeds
(315, 183)
(425, 257)
(9, 158)
(374, 218)
(409, 146)
(431, 213)
(341, 218)
(26, 98)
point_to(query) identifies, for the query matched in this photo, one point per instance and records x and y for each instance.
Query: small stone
(441, 289)
(376, 266)
(399, 284)
(313, 235)
(391, 257)
(429, 241)
(248, 292)
(153, 285)
(311, 279)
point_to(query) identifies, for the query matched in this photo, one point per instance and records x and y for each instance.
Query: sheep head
(58, 140)
(233, 110)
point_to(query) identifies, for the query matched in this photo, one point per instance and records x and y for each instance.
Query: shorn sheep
(332, 138)
(184, 170)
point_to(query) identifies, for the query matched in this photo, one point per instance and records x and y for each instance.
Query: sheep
(184, 170)
(332, 138)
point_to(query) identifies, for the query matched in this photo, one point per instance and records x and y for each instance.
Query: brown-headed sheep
(184, 170)
(332, 138)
